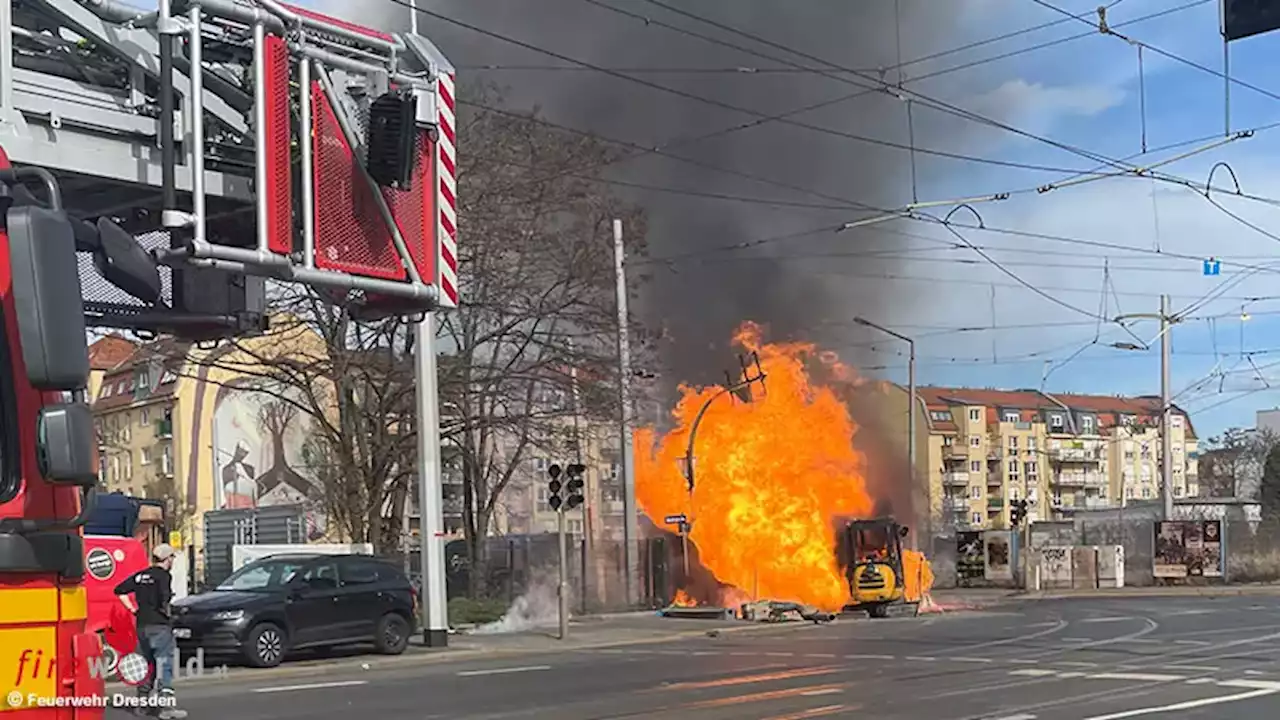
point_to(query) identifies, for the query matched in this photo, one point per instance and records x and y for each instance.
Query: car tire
(264, 646)
(392, 635)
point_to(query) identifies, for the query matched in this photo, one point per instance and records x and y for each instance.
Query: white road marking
(1024, 716)
(1068, 663)
(1034, 672)
(504, 671)
(870, 657)
(1108, 620)
(1138, 677)
(1022, 661)
(1252, 684)
(972, 660)
(779, 654)
(920, 658)
(703, 653)
(311, 686)
(821, 691)
(1191, 642)
(1069, 675)
(1189, 705)
(820, 655)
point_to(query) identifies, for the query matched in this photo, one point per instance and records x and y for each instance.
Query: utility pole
(1166, 410)
(1166, 400)
(630, 526)
(911, 426)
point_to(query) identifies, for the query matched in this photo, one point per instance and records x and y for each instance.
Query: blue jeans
(162, 650)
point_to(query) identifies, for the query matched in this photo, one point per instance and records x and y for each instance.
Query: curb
(448, 655)
(1148, 592)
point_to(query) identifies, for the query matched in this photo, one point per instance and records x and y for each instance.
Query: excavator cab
(874, 566)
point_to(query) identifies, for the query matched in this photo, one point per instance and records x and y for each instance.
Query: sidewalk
(975, 598)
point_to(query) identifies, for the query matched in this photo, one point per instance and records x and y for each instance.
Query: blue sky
(1087, 93)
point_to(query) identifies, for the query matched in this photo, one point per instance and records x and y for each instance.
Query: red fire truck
(204, 147)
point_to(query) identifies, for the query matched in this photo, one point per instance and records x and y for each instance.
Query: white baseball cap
(162, 552)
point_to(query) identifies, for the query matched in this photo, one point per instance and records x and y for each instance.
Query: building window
(975, 466)
(1031, 444)
(975, 492)
(1013, 467)
(1013, 443)
(1175, 421)
(575, 527)
(144, 456)
(975, 441)
(1086, 425)
(1011, 416)
(940, 415)
(1031, 467)
(1015, 494)
(144, 417)
(975, 414)
(976, 519)
(1055, 422)
(1146, 493)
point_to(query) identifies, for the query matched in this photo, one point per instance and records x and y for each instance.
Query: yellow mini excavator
(874, 566)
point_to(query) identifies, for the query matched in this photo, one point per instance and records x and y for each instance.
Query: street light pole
(911, 419)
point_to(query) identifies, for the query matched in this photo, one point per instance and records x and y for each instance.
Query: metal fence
(519, 564)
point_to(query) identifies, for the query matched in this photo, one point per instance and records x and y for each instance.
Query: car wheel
(264, 646)
(393, 635)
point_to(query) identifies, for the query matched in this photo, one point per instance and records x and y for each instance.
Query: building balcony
(955, 479)
(164, 429)
(956, 504)
(1092, 480)
(1082, 455)
(955, 452)
(995, 503)
(996, 478)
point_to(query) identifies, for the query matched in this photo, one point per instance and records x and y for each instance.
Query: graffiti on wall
(258, 443)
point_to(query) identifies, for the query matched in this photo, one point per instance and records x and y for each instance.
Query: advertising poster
(999, 555)
(1170, 557)
(970, 557)
(1188, 548)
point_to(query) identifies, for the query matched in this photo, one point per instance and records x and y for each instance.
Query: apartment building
(133, 406)
(1062, 453)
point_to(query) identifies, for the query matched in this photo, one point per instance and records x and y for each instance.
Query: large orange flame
(772, 477)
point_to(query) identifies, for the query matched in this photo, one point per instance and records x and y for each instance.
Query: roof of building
(1030, 403)
(120, 387)
(109, 351)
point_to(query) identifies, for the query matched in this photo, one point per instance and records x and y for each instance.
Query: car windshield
(263, 575)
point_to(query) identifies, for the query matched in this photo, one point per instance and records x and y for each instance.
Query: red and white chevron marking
(447, 236)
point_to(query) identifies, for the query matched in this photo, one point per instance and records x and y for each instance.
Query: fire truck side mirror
(125, 263)
(65, 446)
(46, 294)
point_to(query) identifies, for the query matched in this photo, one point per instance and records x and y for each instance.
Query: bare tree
(1232, 465)
(538, 299)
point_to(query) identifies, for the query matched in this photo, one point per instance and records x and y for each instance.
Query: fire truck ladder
(239, 141)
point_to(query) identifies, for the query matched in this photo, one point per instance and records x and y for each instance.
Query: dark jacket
(153, 590)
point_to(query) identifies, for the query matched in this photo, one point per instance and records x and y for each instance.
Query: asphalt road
(1184, 658)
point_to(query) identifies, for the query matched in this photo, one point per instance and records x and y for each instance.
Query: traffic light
(574, 486)
(554, 487)
(1018, 513)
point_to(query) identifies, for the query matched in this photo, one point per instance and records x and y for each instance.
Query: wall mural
(257, 447)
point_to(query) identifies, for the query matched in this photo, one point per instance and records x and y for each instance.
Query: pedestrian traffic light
(554, 487)
(574, 486)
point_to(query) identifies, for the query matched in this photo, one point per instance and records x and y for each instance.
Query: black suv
(283, 603)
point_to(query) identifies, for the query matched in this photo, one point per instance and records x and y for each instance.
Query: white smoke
(537, 608)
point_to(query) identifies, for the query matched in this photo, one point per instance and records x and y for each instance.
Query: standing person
(152, 590)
